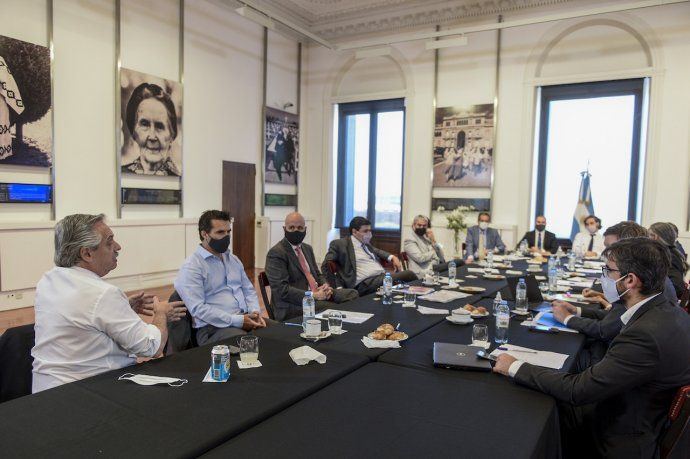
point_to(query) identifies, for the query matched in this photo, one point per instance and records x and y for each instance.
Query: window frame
(372, 108)
(630, 87)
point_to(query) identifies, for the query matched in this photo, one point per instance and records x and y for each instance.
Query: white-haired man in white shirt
(84, 325)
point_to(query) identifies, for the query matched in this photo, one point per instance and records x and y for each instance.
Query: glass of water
(480, 335)
(335, 321)
(409, 300)
(544, 287)
(249, 348)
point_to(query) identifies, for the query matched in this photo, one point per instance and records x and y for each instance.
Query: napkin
(516, 273)
(305, 354)
(208, 377)
(428, 311)
(380, 343)
(244, 365)
(471, 276)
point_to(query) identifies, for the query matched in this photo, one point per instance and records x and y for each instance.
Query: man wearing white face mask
(480, 239)
(589, 243)
(360, 262)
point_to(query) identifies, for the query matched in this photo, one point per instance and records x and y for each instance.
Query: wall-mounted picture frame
(26, 106)
(281, 139)
(463, 146)
(449, 204)
(151, 124)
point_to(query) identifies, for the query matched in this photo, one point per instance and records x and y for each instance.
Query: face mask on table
(147, 380)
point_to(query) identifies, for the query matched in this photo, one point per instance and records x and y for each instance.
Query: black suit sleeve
(525, 237)
(318, 275)
(630, 362)
(553, 245)
(279, 278)
(381, 254)
(604, 329)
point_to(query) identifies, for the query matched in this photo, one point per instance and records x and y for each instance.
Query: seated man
(421, 248)
(291, 269)
(360, 262)
(213, 285)
(620, 404)
(480, 238)
(589, 243)
(84, 325)
(539, 240)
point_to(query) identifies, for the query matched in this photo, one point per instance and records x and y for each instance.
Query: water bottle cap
(308, 293)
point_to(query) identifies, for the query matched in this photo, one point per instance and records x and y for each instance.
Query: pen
(291, 324)
(503, 348)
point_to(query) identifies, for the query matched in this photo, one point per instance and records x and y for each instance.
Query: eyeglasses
(605, 270)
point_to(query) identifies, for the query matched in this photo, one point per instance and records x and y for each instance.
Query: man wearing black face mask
(214, 287)
(540, 240)
(291, 270)
(422, 249)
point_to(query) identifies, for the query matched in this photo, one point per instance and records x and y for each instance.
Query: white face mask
(610, 290)
(366, 237)
(592, 229)
(483, 225)
(146, 380)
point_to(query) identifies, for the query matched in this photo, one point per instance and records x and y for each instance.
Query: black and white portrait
(282, 147)
(26, 126)
(464, 146)
(151, 124)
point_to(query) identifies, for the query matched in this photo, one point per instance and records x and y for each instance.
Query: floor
(24, 316)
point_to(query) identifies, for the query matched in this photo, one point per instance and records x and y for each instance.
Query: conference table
(362, 401)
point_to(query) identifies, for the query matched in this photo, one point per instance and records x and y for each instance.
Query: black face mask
(295, 237)
(420, 231)
(220, 245)
(540, 227)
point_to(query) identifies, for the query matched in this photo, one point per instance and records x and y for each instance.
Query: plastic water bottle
(387, 289)
(559, 269)
(559, 253)
(502, 323)
(553, 276)
(497, 302)
(452, 271)
(490, 258)
(521, 296)
(571, 260)
(523, 247)
(308, 308)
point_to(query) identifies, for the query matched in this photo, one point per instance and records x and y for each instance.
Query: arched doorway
(460, 141)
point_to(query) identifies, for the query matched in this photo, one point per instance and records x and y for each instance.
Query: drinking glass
(480, 335)
(335, 321)
(249, 348)
(409, 300)
(544, 287)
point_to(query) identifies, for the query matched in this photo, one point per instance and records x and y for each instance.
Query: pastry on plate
(377, 335)
(395, 336)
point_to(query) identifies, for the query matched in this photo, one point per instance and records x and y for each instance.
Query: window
(370, 161)
(597, 127)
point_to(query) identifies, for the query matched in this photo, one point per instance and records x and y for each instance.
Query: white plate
(323, 335)
(452, 320)
(401, 339)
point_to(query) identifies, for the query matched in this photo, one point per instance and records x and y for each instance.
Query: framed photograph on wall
(281, 147)
(151, 125)
(463, 146)
(26, 125)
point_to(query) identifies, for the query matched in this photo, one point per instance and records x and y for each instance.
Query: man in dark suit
(539, 240)
(620, 404)
(359, 262)
(291, 270)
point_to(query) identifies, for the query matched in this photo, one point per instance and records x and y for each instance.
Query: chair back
(565, 243)
(675, 441)
(181, 333)
(16, 362)
(265, 287)
(333, 274)
(404, 260)
(684, 301)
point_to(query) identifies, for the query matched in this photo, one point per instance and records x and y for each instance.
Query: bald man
(291, 269)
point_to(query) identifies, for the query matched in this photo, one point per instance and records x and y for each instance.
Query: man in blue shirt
(480, 238)
(214, 287)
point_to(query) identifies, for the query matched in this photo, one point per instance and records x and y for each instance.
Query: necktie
(591, 244)
(305, 269)
(366, 250)
(539, 241)
(481, 251)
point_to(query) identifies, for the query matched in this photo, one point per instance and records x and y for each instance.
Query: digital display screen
(150, 196)
(25, 192)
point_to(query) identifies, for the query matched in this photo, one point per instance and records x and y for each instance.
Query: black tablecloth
(103, 417)
(417, 352)
(390, 411)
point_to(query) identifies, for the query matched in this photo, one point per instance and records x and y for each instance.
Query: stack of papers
(348, 316)
(540, 358)
(481, 270)
(427, 311)
(416, 289)
(444, 296)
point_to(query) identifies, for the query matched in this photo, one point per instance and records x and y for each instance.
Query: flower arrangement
(456, 222)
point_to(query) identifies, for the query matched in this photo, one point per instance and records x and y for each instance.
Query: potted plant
(456, 222)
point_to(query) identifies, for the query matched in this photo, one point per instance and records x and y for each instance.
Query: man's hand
(396, 263)
(142, 303)
(590, 293)
(561, 310)
(256, 317)
(430, 235)
(534, 249)
(470, 259)
(161, 308)
(590, 254)
(252, 322)
(503, 363)
(323, 292)
(177, 311)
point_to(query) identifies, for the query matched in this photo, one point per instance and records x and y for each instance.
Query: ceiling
(347, 19)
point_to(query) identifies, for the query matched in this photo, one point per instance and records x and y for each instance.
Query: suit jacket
(343, 252)
(422, 254)
(632, 387)
(599, 324)
(287, 280)
(550, 242)
(492, 241)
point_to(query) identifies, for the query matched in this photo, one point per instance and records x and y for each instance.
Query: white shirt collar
(627, 315)
(88, 272)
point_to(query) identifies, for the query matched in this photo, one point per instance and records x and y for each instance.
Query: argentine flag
(584, 205)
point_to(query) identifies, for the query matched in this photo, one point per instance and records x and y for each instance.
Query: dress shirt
(581, 242)
(536, 239)
(295, 248)
(366, 262)
(84, 327)
(627, 315)
(216, 290)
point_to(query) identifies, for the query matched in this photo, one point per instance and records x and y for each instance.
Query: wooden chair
(675, 441)
(333, 275)
(404, 260)
(265, 287)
